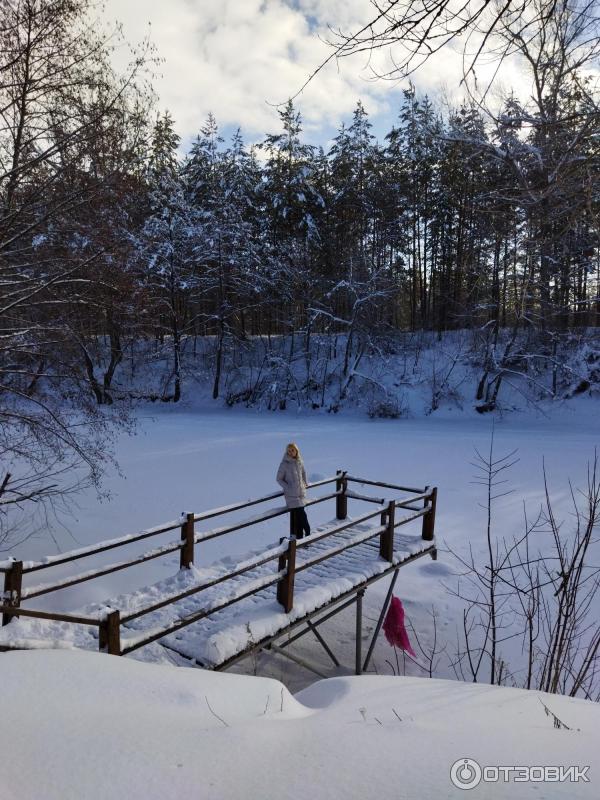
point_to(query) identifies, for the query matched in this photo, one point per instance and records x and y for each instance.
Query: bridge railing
(110, 622)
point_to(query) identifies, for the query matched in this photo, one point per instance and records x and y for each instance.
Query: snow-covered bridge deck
(216, 614)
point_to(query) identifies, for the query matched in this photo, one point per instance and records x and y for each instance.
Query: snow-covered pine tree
(220, 185)
(293, 212)
(169, 269)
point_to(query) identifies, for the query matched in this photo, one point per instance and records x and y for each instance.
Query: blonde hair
(296, 448)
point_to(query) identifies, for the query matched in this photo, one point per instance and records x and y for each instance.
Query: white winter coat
(292, 479)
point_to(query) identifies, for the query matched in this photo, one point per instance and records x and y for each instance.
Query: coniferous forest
(120, 245)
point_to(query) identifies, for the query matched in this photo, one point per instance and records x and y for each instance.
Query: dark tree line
(464, 222)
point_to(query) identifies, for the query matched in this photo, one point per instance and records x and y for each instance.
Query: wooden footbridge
(215, 615)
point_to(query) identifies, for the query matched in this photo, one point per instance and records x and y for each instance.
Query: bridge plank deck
(216, 639)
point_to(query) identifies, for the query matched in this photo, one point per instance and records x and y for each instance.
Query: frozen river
(184, 460)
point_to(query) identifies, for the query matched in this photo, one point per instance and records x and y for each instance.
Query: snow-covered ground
(186, 458)
(83, 726)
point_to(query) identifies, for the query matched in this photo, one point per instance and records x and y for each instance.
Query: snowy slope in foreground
(85, 726)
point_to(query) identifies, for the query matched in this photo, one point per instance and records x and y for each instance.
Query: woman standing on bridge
(291, 476)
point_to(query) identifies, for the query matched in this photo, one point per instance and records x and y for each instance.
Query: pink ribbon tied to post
(394, 628)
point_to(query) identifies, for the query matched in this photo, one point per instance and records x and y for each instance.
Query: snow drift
(83, 725)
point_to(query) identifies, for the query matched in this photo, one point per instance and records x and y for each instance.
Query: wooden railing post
(341, 501)
(109, 638)
(13, 582)
(429, 518)
(386, 540)
(285, 587)
(186, 554)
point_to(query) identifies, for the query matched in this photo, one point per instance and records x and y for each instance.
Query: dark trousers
(299, 525)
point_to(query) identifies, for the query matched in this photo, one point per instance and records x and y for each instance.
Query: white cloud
(237, 58)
